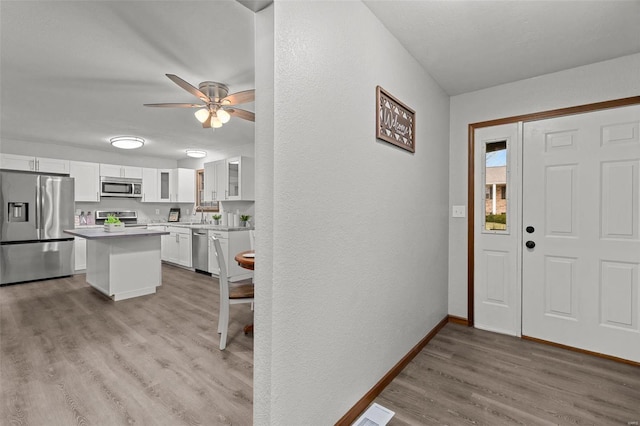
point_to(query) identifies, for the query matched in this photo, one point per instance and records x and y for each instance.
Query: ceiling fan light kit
(196, 153)
(215, 122)
(127, 142)
(223, 115)
(214, 95)
(202, 115)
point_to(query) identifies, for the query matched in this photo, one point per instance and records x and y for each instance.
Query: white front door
(581, 202)
(496, 229)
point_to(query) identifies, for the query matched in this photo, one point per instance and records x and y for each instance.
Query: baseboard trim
(583, 351)
(377, 389)
(459, 320)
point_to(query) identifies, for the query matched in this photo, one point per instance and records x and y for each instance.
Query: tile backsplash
(159, 212)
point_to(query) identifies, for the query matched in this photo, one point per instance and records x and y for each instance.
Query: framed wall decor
(395, 122)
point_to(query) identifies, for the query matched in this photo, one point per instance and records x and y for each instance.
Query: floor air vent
(376, 415)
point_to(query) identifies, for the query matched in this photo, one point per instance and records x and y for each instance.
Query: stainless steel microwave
(120, 187)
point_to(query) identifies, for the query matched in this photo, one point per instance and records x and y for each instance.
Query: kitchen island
(123, 264)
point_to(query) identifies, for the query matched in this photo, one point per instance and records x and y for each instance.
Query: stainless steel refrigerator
(35, 211)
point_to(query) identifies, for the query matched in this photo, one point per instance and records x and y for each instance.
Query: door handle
(530, 229)
(530, 244)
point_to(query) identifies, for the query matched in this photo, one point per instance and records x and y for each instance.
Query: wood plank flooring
(70, 356)
(466, 376)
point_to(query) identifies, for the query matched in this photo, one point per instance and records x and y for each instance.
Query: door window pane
(496, 194)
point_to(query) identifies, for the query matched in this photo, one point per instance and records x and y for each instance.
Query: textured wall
(262, 348)
(618, 78)
(358, 244)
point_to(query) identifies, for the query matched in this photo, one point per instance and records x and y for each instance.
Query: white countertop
(191, 225)
(93, 233)
(196, 225)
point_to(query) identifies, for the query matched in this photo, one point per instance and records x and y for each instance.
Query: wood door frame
(634, 100)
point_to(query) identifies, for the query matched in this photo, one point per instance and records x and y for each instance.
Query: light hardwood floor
(70, 356)
(466, 376)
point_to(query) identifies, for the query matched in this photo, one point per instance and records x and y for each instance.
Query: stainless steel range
(128, 217)
(35, 211)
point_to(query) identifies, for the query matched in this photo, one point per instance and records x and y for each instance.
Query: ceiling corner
(255, 5)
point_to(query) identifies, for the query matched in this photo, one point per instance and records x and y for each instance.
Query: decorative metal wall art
(395, 122)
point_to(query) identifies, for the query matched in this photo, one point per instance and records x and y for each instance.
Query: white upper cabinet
(230, 179)
(87, 180)
(184, 185)
(177, 185)
(33, 164)
(214, 180)
(52, 165)
(150, 185)
(114, 170)
(165, 185)
(158, 185)
(240, 183)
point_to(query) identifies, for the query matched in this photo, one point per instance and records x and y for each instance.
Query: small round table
(245, 262)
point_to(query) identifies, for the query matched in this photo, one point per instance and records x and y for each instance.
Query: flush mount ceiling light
(127, 142)
(218, 105)
(194, 153)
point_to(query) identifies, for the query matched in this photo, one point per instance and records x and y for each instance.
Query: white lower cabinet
(176, 247)
(184, 249)
(80, 249)
(232, 243)
(165, 243)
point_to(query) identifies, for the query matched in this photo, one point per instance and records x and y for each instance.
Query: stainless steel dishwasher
(200, 250)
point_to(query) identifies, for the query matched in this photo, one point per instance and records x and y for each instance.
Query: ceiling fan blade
(207, 122)
(239, 98)
(188, 87)
(241, 113)
(176, 105)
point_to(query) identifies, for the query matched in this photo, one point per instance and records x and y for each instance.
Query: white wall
(614, 79)
(263, 345)
(357, 243)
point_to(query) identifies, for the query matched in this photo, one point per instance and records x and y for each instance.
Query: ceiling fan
(217, 108)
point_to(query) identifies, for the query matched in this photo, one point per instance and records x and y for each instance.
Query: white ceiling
(472, 45)
(77, 72)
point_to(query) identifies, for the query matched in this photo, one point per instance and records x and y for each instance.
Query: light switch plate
(157, 211)
(459, 211)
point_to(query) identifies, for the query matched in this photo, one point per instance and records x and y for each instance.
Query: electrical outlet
(459, 211)
(186, 212)
(157, 211)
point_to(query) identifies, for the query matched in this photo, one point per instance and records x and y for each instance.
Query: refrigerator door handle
(39, 208)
